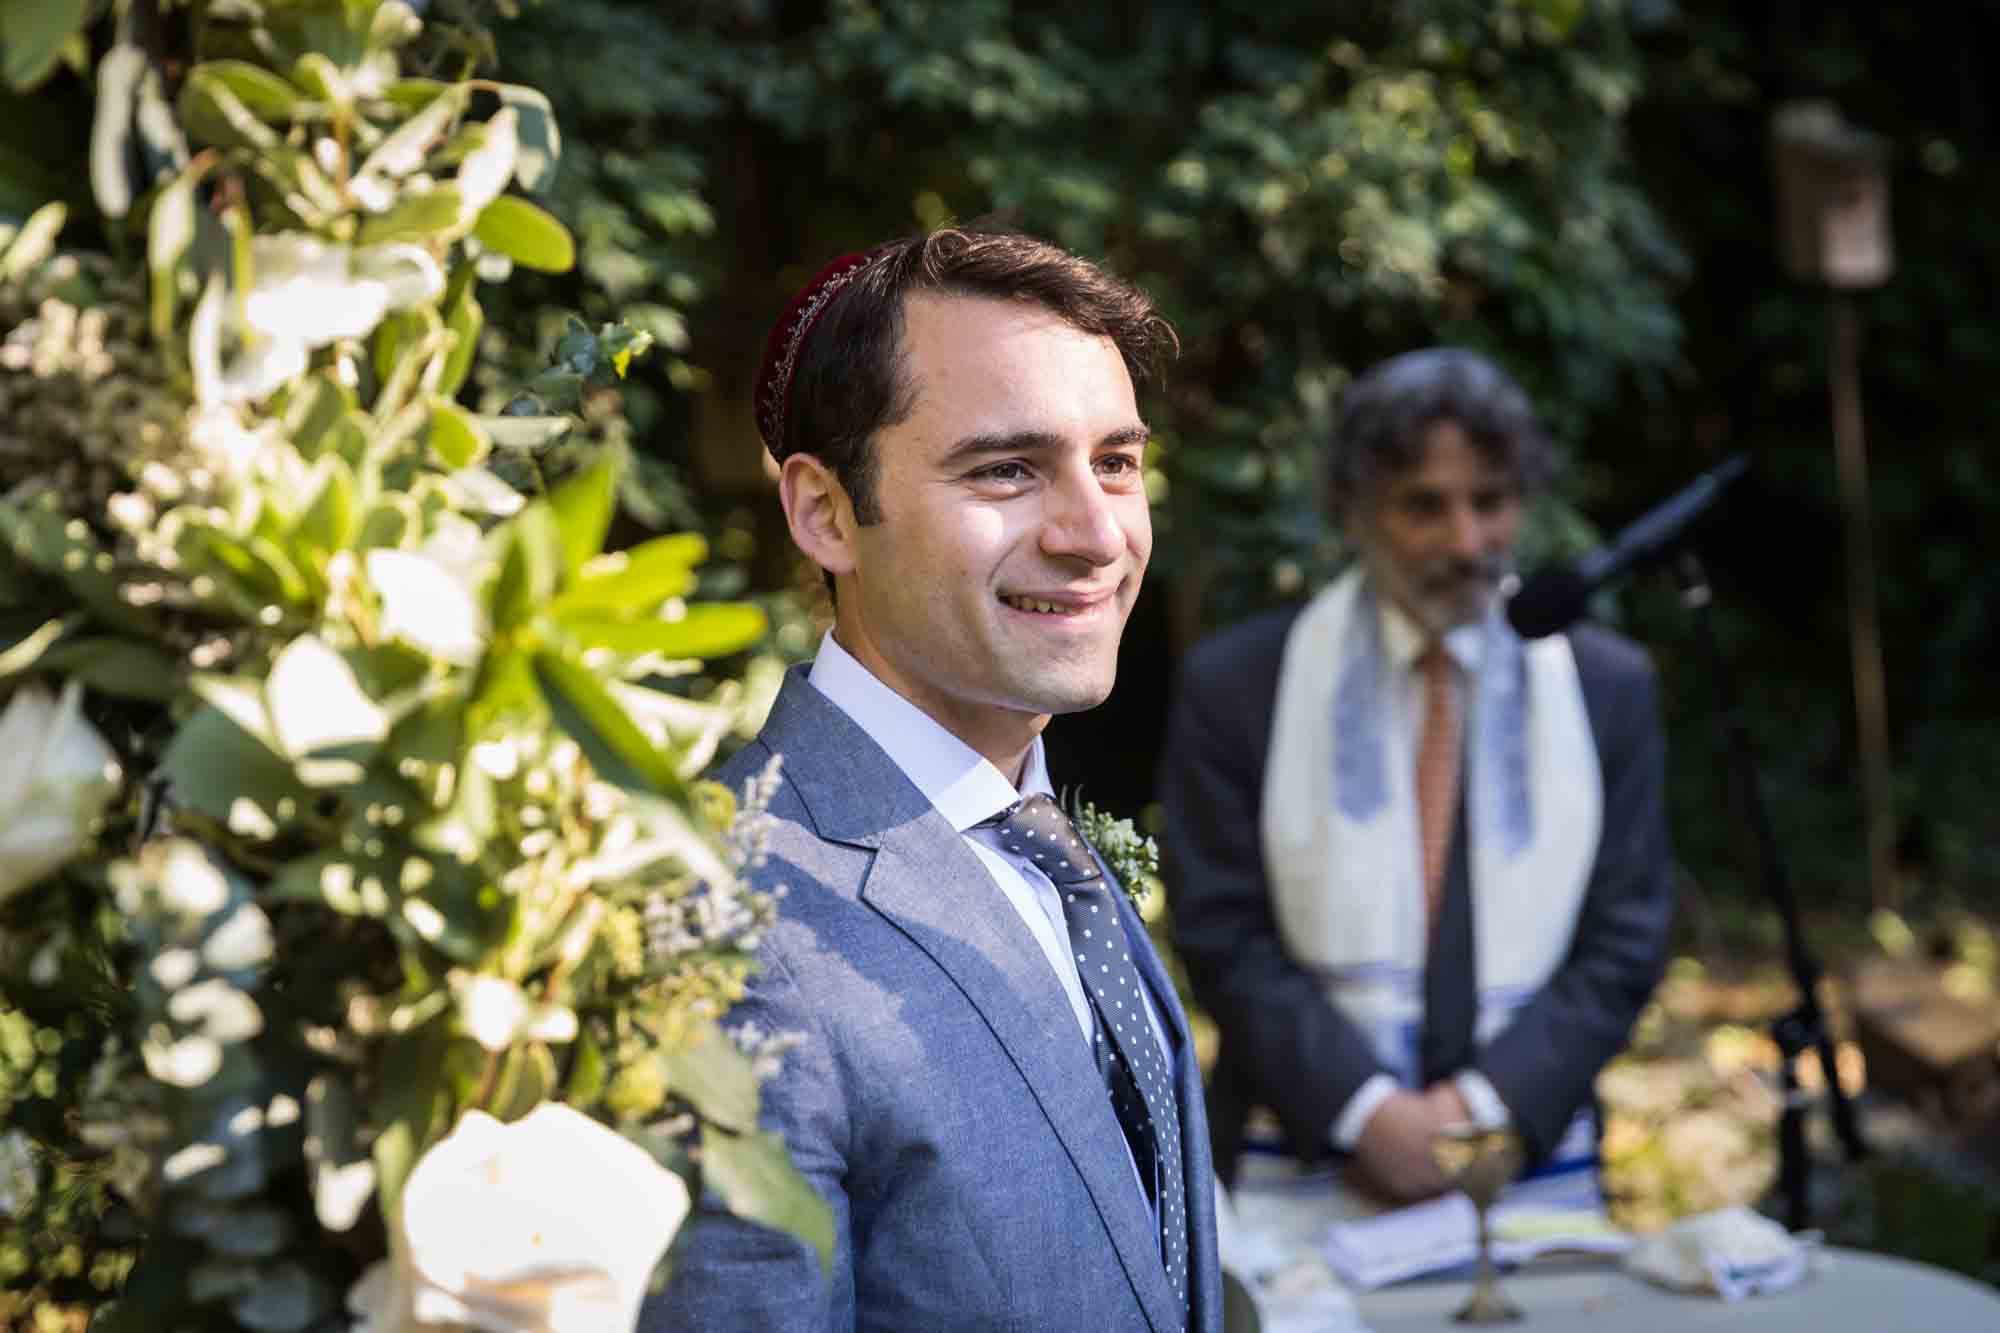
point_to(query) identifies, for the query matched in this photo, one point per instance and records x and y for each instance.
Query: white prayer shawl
(1341, 847)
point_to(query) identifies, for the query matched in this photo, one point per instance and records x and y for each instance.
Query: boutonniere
(1134, 858)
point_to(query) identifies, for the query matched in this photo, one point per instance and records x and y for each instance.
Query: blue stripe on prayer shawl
(1360, 770)
(1503, 714)
(1500, 760)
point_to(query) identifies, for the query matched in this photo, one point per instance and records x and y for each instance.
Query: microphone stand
(1804, 1028)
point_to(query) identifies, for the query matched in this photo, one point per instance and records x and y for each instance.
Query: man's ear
(818, 511)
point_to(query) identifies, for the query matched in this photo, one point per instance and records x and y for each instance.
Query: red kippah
(773, 401)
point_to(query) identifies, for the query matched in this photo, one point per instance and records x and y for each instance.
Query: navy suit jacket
(1283, 1044)
(943, 1100)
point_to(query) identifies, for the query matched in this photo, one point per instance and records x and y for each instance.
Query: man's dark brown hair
(852, 378)
(1386, 417)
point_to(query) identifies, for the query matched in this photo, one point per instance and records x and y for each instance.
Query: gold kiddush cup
(1481, 1162)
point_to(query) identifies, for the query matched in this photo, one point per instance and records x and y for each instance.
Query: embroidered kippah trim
(788, 340)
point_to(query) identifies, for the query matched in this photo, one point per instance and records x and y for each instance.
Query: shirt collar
(962, 783)
(1403, 639)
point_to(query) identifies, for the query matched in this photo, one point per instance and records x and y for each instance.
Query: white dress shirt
(1403, 641)
(966, 788)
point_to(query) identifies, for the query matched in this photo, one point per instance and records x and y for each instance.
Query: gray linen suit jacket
(943, 1100)
(1283, 1045)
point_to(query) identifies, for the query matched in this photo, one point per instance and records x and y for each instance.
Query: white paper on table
(1269, 1242)
(1564, 1211)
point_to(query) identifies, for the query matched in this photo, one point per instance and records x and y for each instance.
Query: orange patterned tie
(1437, 771)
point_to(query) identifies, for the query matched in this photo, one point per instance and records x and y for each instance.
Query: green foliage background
(1577, 186)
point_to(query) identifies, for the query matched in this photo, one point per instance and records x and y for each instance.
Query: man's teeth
(1029, 604)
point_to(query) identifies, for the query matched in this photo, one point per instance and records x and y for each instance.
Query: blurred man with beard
(1419, 867)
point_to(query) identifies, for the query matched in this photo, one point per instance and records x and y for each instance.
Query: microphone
(1555, 597)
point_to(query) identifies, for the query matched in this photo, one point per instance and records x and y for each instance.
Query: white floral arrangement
(366, 934)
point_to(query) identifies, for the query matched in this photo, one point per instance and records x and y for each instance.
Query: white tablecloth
(1848, 1292)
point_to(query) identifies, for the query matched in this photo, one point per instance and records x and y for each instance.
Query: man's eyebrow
(1032, 442)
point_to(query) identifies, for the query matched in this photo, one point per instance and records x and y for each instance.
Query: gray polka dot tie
(1128, 1056)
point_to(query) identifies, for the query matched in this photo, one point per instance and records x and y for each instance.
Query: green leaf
(32, 35)
(330, 521)
(169, 237)
(213, 114)
(321, 77)
(265, 94)
(710, 629)
(465, 319)
(112, 154)
(410, 1106)
(627, 583)
(525, 432)
(540, 140)
(583, 506)
(758, 1183)
(611, 740)
(212, 763)
(455, 436)
(404, 151)
(127, 668)
(715, 1078)
(35, 242)
(397, 332)
(528, 566)
(415, 217)
(525, 234)
(587, 1071)
(313, 407)
(528, 1077)
(30, 648)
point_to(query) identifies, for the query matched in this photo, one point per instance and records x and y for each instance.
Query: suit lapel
(929, 885)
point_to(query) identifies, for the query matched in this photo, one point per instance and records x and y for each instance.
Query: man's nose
(1466, 532)
(1079, 521)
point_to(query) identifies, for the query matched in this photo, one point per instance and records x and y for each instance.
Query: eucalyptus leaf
(525, 234)
(285, 1298)
(758, 1183)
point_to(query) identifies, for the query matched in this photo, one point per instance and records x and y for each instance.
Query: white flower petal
(549, 1225)
(315, 701)
(427, 606)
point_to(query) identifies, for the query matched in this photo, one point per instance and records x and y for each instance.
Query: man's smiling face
(1013, 530)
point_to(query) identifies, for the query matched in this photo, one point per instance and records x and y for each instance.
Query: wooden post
(1833, 228)
(1871, 709)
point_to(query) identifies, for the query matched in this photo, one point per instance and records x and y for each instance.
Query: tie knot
(1036, 830)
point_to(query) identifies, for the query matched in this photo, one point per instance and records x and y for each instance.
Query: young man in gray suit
(1420, 868)
(996, 1090)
